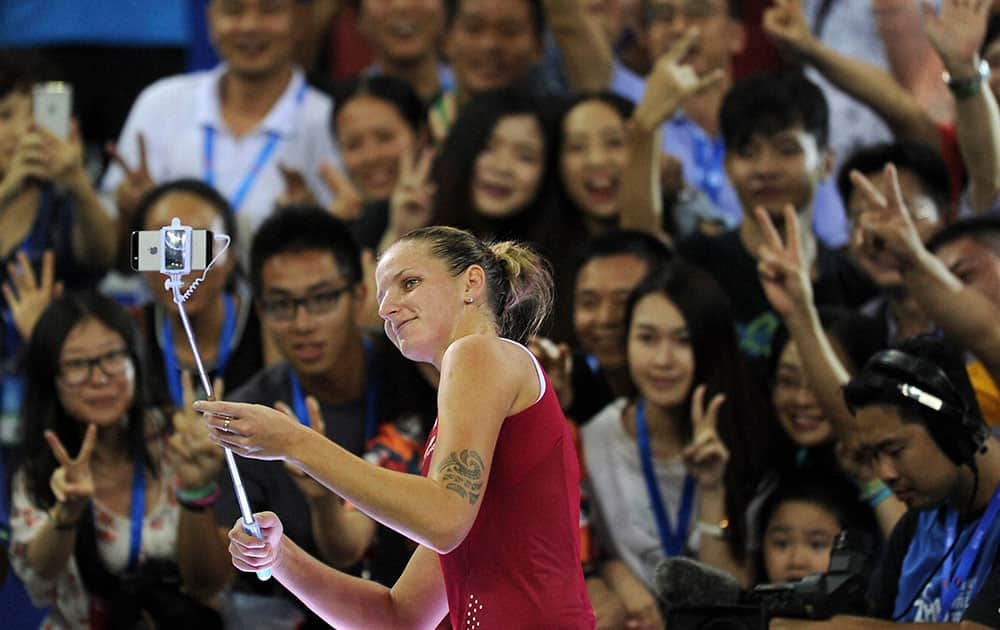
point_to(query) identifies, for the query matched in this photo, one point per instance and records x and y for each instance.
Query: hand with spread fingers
(706, 456)
(254, 431)
(197, 459)
(781, 267)
(669, 83)
(347, 202)
(72, 483)
(252, 554)
(957, 33)
(311, 488)
(26, 297)
(888, 235)
(137, 180)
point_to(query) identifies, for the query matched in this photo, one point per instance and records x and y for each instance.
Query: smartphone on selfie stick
(175, 251)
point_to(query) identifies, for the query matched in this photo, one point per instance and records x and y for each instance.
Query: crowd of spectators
(744, 204)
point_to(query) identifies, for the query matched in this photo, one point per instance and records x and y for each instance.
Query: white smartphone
(52, 104)
(146, 254)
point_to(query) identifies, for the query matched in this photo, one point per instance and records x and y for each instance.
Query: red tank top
(519, 565)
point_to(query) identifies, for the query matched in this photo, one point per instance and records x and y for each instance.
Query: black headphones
(956, 428)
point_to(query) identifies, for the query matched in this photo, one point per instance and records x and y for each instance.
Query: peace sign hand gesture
(706, 456)
(783, 273)
(347, 203)
(888, 236)
(197, 460)
(669, 83)
(296, 188)
(410, 205)
(137, 180)
(311, 488)
(72, 482)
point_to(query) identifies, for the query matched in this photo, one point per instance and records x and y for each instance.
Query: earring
(468, 299)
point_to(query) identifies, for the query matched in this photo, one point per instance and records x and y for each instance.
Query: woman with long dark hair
(676, 468)
(112, 513)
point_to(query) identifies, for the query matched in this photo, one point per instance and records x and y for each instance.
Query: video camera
(696, 597)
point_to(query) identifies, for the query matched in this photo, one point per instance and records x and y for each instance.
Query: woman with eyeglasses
(112, 510)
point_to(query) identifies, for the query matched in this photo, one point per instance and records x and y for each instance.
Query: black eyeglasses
(320, 303)
(76, 372)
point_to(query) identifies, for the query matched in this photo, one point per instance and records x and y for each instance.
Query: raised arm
(788, 287)
(789, 290)
(962, 312)
(786, 25)
(417, 600)
(957, 34)
(669, 83)
(436, 511)
(586, 52)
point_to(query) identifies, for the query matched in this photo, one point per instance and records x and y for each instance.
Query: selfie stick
(173, 284)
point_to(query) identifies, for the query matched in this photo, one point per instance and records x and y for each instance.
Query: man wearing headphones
(915, 416)
(918, 424)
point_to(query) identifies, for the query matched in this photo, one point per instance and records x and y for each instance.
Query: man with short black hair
(923, 181)
(776, 131)
(918, 424)
(354, 387)
(240, 126)
(694, 134)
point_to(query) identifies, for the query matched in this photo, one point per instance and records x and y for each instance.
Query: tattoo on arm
(463, 474)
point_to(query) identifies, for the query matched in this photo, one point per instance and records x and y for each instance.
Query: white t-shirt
(174, 114)
(619, 488)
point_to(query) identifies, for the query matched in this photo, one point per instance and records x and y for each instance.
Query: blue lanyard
(708, 157)
(171, 369)
(371, 392)
(593, 364)
(138, 508)
(673, 540)
(265, 154)
(952, 584)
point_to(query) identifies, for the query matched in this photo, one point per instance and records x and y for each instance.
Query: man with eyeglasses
(307, 280)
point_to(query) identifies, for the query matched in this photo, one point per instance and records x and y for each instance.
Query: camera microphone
(685, 583)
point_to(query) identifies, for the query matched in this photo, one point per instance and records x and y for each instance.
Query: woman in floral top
(109, 505)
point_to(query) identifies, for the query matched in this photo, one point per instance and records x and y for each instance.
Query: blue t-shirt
(914, 549)
(929, 542)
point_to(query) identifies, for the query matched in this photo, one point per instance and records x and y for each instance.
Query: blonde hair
(518, 279)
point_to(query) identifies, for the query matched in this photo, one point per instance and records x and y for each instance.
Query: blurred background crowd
(708, 179)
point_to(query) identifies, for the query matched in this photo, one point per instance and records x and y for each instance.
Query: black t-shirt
(591, 391)
(399, 390)
(245, 358)
(885, 581)
(840, 283)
